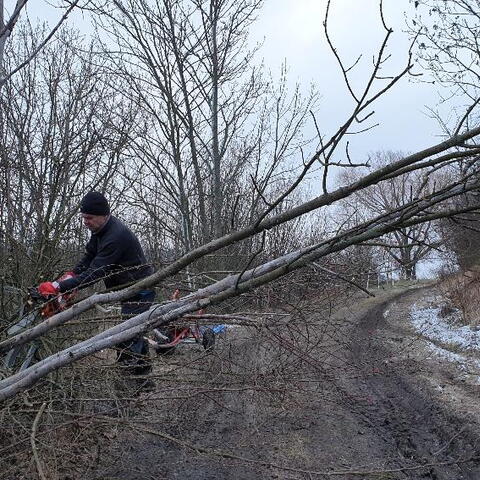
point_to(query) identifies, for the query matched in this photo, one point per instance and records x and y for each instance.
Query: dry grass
(54, 427)
(463, 292)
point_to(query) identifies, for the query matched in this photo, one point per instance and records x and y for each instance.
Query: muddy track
(335, 407)
(405, 414)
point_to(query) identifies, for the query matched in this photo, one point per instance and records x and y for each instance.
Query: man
(114, 255)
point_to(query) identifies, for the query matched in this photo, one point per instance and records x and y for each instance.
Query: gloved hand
(66, 276)
(47, 289)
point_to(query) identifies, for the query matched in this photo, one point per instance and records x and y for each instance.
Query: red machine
(168, 338)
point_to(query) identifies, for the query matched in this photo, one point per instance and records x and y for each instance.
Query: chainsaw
(35, 309)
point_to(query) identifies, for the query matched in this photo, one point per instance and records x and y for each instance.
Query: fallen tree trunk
(395, 169)
(417, 211)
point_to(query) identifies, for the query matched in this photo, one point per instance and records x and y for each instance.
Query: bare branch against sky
(292, 33)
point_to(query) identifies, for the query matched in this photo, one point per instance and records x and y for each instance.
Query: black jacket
(113, 254)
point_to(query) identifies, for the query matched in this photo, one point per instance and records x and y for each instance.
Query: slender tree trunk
(190, 125)
(217, 187)
(410, 271)
(5, 32)
(3, 39)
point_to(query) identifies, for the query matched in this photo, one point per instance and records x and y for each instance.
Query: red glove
(46, 289)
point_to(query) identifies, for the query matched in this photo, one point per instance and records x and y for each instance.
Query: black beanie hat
(94, 203)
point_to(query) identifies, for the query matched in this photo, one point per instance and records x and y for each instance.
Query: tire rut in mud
(405, 414)
(353, 413)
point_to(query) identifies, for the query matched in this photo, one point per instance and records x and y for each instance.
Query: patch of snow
(429, 323)
(453, 357)
(463, 362)
(446, 354)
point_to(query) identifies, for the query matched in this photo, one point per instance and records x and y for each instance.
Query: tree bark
(408, 215)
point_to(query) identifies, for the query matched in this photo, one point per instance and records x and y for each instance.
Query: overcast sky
(292, 31)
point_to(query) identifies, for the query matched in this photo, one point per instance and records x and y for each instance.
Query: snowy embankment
(444, 337)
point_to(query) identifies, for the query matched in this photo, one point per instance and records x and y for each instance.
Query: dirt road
(351, 396)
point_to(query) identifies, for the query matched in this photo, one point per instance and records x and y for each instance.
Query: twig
(343, 278)
(449, 442)
(325, 158)
(32, 442)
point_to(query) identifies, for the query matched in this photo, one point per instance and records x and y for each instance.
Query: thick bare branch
(406, 215)
(373, 178)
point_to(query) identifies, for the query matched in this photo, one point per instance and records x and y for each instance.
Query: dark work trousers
(133, 354)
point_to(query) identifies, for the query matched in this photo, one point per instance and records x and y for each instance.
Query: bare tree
(406, 246)
(448, 49)
(6, 28)
(211, 115)
(63, 132)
